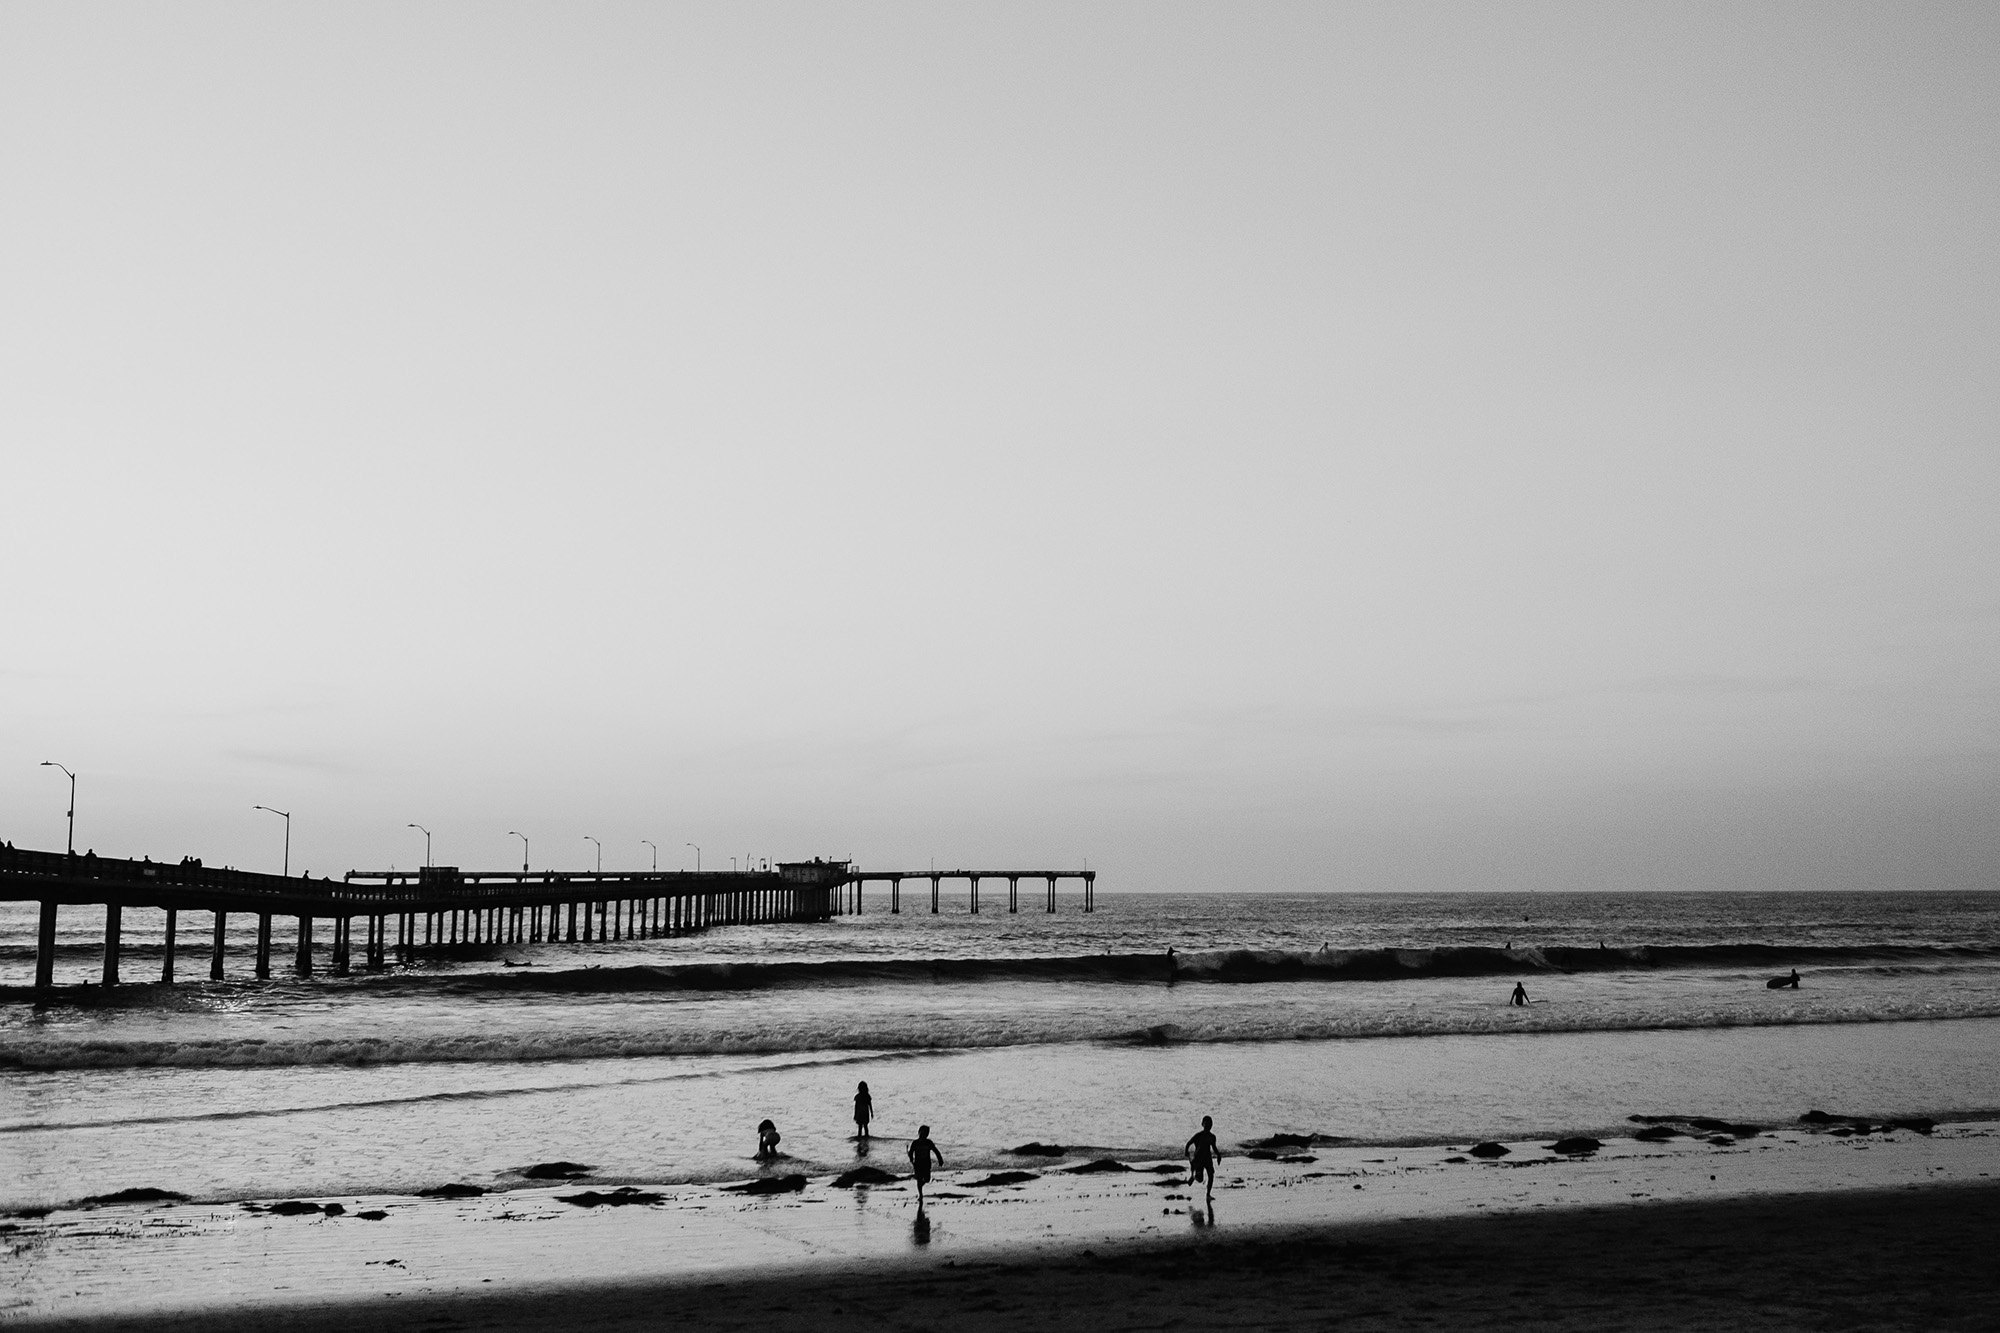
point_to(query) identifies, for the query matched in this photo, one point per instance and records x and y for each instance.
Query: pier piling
(113, 921)
(215, 949)
(167, 962)
(45, 947)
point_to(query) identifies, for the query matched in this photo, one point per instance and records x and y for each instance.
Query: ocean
(1371, 1018)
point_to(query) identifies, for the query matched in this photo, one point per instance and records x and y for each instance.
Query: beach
(551, 1134)
(1911, 1259)
(1893, 1228)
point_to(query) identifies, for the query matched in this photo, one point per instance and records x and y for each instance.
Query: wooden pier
(445, 907)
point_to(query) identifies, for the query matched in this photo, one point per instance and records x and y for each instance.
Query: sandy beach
(1784, 1228)
(1916, 1258)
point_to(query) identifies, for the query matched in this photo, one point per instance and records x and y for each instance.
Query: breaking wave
(935, 1034)
(1233, 965)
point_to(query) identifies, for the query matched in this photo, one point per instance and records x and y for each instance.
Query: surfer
(1784, 983)
(920, 1152)
(1171, 965)
(1202, 1153)
(1519, 997)
(864, 1111)
(767, 1140)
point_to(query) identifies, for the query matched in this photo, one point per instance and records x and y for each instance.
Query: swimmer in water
(1519, 997)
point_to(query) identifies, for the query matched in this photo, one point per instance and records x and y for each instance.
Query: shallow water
(394, 1129)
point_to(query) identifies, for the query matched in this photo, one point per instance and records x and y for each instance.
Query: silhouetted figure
(1519, 997)
(1171, 965)
(864, 1111)
(767, 1140)
(920, 1153)
(1202, 1153)
(1784, 983)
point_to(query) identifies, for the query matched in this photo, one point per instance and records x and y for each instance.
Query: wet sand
(1918, 1257)
(1637, 1234)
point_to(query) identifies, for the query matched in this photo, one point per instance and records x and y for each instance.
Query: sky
(1321, 447)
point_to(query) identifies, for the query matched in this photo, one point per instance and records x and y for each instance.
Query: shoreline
(1613, 1136)
(1902, 1257)
(384, 1258)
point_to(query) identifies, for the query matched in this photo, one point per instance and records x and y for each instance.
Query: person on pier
(920, 1153)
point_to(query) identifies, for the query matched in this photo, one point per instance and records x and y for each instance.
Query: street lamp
(50, 763)
(288, 833)
(427, 843)
(697, 857)
(524, 848)
(656, 851)
(600, 852)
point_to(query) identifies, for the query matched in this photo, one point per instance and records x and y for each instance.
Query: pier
(411, 910)
(406, 911)
(894, 879)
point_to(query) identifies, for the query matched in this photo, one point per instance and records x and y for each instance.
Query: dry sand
(1797, 1231)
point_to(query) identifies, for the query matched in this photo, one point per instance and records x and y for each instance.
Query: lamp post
(697, 858)
(288, 833)
(427, 843)
(600, 852)
(656, 851)
(50, 763)
(732, 865)
(524, 848)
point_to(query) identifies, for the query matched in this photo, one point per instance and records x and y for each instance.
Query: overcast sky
(1247, 446)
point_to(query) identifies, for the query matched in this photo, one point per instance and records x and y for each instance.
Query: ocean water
(1377, 1018)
